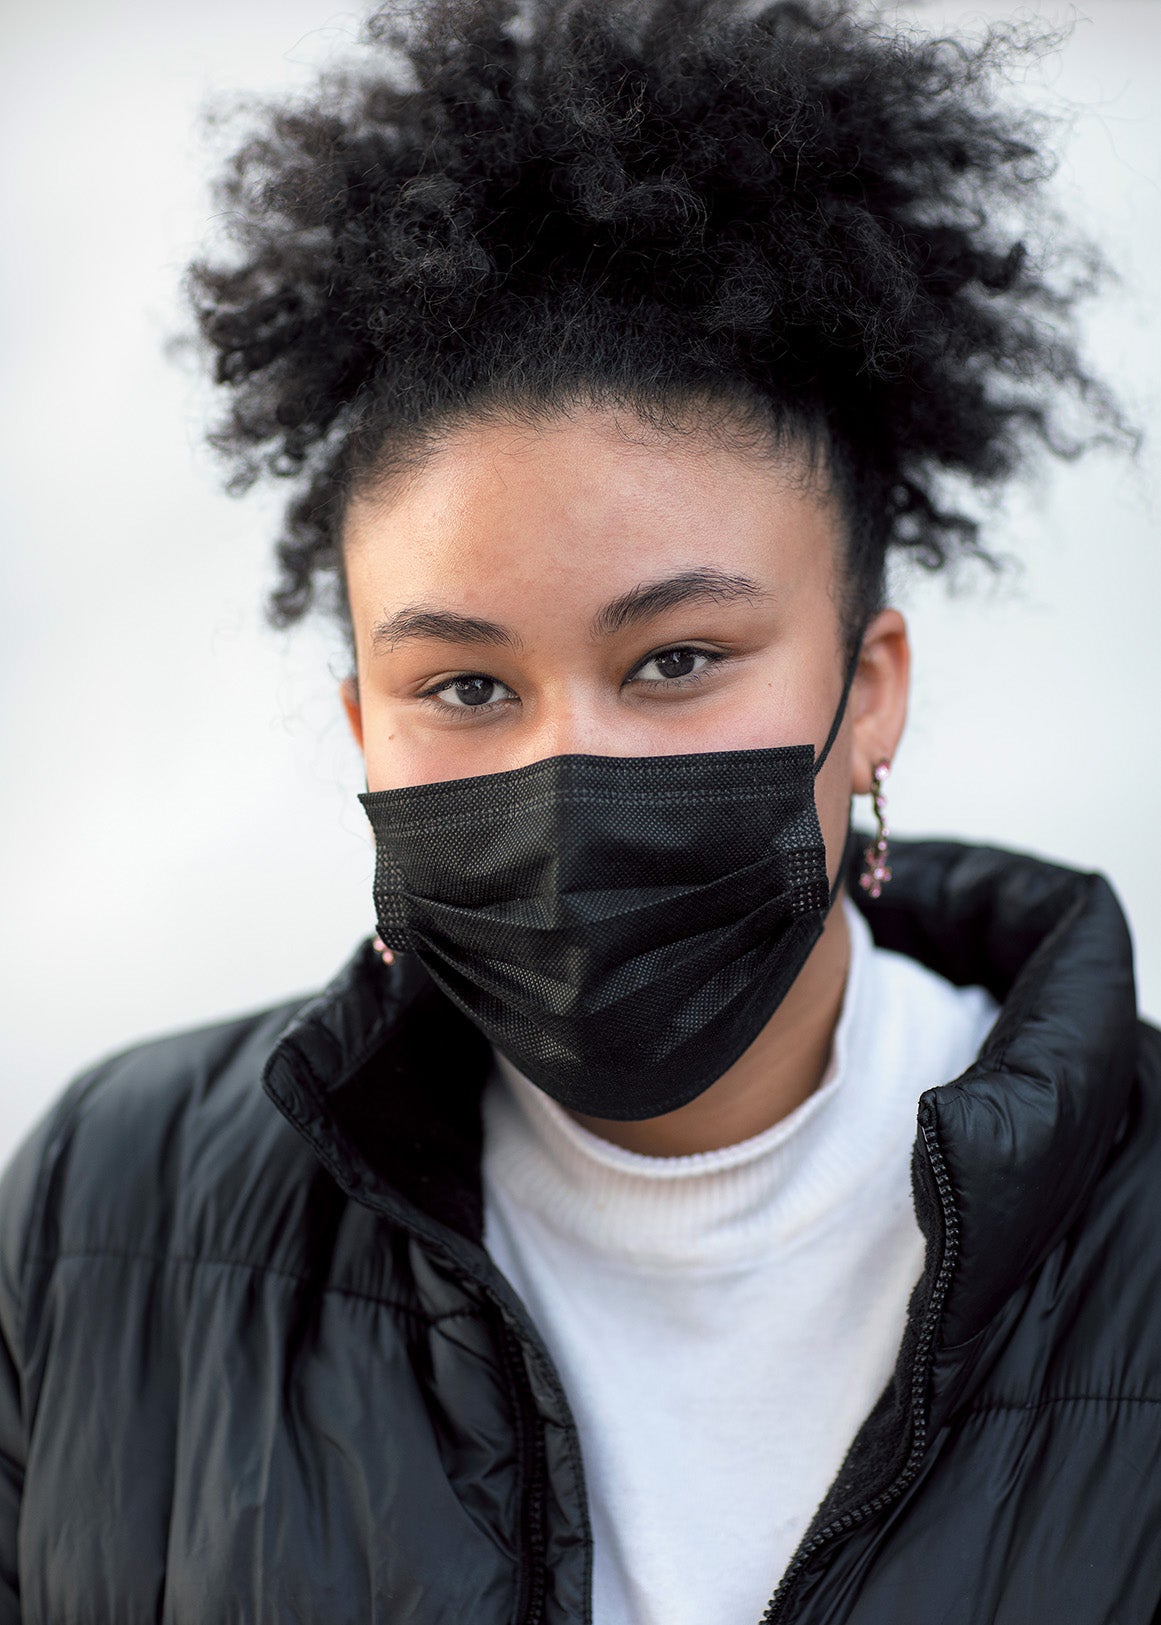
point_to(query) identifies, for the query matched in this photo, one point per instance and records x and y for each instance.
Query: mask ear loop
(852, 668)
(842, 707)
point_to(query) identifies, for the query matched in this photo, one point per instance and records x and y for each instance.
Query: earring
(387, 955)
(876, 874)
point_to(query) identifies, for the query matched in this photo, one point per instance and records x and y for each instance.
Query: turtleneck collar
(710, 1209)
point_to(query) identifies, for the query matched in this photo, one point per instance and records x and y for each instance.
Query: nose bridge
(575, 729)
(572, 716)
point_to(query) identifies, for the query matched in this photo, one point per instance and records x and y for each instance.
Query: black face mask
(621, 928)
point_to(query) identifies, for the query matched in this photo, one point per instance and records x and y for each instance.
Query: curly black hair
(835, 230)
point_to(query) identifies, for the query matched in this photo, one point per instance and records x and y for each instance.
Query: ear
(879, 697)
(349, 694)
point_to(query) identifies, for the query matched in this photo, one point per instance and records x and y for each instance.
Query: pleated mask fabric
(621, 928)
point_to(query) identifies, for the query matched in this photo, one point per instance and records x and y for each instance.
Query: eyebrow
(652, 598)
(641, 603)
(446, 625)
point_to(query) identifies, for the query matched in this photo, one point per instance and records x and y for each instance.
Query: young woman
(678, 1214)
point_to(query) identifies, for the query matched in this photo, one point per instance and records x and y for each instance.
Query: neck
(782, 1067)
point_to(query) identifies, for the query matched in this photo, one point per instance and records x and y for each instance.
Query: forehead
(594, 499)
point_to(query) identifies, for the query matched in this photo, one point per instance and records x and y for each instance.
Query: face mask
(621, 928)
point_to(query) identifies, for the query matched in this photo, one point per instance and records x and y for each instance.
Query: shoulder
(1100, 1288)
(1124, 1205)
(150, 1152)
(1149, 1041)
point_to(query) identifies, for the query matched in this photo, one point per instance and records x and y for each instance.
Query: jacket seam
(194, 1261)
(1062, 1399)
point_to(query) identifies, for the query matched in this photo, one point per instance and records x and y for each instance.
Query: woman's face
(533, 592)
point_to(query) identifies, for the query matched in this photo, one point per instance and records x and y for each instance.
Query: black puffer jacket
(255, 1365)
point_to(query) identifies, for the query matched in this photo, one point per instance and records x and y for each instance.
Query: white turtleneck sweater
(723, 1322)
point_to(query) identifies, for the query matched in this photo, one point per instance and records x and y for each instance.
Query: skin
(537, 529)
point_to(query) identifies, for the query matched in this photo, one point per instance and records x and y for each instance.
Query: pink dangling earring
(387, 955)
(876, 874)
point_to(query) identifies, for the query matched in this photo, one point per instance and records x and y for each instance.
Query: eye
(473, 691)
(672, 665)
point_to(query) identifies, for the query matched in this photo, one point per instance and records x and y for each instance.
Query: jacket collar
(1026, 1129)
(384, 1076)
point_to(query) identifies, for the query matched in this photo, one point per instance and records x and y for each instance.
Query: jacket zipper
(920, 1371)
(530, 1443)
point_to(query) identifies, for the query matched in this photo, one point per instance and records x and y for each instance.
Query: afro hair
(837, 230)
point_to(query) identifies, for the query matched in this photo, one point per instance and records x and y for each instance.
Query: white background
(181, 838)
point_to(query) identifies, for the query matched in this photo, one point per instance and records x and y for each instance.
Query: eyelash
(713, 658)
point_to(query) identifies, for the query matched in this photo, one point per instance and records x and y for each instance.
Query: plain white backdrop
(181, 838)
